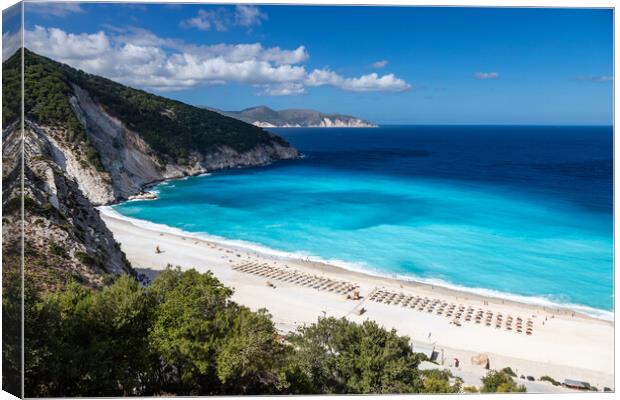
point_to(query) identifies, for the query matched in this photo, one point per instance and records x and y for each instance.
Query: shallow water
(519, 210)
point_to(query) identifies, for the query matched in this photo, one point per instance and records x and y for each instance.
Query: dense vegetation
(337, 356)
(169, 127)
(11, 322)
(11, 88)
(183, 335)
(46, 97)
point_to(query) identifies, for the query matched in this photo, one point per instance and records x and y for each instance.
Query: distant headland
(266, 117)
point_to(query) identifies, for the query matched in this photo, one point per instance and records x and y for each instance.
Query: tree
(211, 344)
(248, 361)
(339, 356)
(499, 381)
(119, 317)
(94, 342)
(190, 323)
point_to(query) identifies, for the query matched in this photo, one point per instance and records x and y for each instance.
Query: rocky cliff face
(325, 122)
(64, 236)
(345, 123)
(130, 163)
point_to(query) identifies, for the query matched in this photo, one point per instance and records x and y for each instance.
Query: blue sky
(392, 65)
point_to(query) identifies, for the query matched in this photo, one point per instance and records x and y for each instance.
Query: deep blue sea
(521, 210)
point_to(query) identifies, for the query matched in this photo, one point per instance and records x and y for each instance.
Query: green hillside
(170, 127)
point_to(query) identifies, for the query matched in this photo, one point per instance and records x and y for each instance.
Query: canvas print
(226, 199)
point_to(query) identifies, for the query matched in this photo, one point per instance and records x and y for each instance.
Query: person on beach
(157, 249)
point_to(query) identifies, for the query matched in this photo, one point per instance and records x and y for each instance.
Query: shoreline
(490, 296)
(148, 186)
(563, 345)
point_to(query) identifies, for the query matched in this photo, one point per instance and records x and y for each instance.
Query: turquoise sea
(519, 211)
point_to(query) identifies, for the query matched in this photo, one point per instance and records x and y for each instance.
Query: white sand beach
(561, 343)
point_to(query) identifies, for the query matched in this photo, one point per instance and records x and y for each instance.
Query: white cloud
(283, 89)
(380, 64)
(11, 42)
(139, 58)
(216, 19)
(54, 9)
(67, 46)
(365, 83)
(234, 52)
(241, 52)
(275, 54)
(201, 22)
(246, 15)
(221, 18)
(486, 75)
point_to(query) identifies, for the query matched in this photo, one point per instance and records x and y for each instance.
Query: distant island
(266, 117)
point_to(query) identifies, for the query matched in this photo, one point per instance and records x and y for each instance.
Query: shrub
(499, 381)
(92, 155)
(58, 250)
(550, 380)
(85, 258)
(438, 381)
(509, 371)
